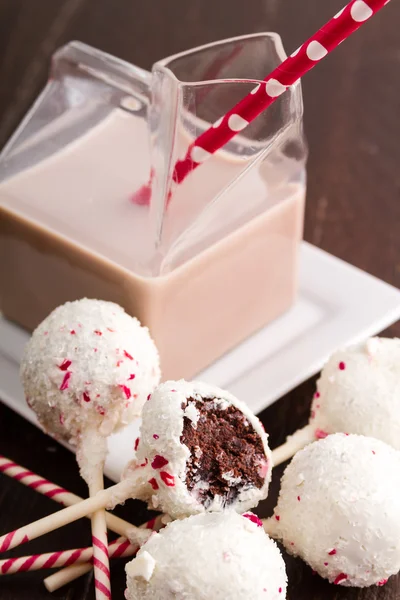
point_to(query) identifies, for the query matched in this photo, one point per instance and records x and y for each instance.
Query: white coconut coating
(88, 365)
(339, 509)
(359, 392)
(213, 555)
(168, 459)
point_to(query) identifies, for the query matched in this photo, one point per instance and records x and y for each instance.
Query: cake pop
(339, 509)
(210, 555)
(201, 450)
(86, 371)
(358, 392)
(206, 450)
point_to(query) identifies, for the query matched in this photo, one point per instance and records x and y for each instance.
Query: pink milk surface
(220, 271)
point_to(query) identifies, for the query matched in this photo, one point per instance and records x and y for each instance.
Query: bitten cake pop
(204, 450)
(212, 555)
(201, 450)
(339, 509)
(86, 371)
(358, 392)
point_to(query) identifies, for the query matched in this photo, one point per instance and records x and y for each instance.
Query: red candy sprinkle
(97, 332)
(155, 436)
(168, 479)
(253, 518)
(320, 434)
(148, 397)
(326, 564)
(131, 376)
(373, 452)
(342, 366)
(332, 552)
(153, 483)
(64, 365)
(317, 395)
(137, 443)
(159, 462)
(382, 582)
(280, 590)
(341, 577)
(145, 463)
(100, 410)
(86, 397)
(128, 355)
(72, 332)
(126, 391)
(298, 498)
(65, 381)
(277, 517)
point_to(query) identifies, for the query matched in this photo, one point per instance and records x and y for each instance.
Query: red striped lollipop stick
(57, 493)
(63, 558)
(119, 548)
(340, 27)
(61, 578)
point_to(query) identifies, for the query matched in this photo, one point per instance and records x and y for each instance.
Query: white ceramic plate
(337, 305)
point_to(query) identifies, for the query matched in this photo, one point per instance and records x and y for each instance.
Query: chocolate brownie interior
(222, 442)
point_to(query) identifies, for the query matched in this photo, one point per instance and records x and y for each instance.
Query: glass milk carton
(204, 263)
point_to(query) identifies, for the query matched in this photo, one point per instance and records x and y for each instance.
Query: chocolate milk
(219, 271)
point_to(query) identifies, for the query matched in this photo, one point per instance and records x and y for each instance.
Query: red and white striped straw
(340, 27)
(64, 558)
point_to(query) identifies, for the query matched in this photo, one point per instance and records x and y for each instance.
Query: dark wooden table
(353, 126)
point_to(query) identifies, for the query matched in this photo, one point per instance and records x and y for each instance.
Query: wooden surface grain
(353, 203)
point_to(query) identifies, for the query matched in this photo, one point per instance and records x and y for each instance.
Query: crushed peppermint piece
(136, 443)
(153, 483)
(155, 436)
(320, 434)
(253, 518)
(332, 552)
(126, 391)
(159, 462)
(167, 478)
(86, 397)
(131, 376)
(65, 382)
(341, 577)
(342, 366)
(72, 332)
(128, 355)
(98, 332)
(65, 364)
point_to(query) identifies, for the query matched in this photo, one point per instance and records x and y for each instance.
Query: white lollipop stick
(60, 495)
(106, 498)
(293, 444)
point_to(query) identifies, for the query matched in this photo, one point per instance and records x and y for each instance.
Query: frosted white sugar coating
(177, 409)
(88, 364)
(359, 392)
(339, 509)
(212, 555)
